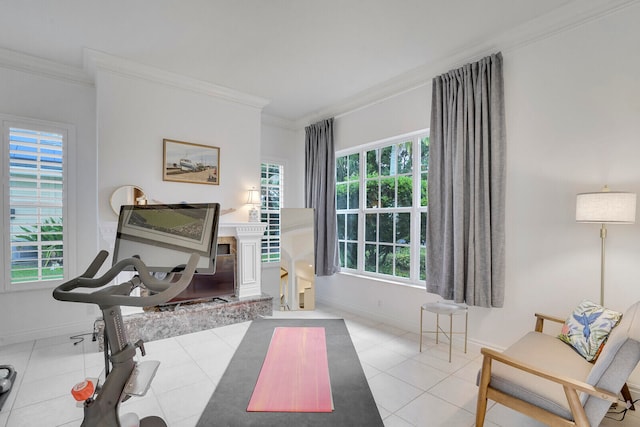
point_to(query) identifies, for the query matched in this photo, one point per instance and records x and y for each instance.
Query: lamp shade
(606, 207)
(254, 197)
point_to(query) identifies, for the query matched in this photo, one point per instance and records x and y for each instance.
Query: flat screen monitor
(164, 236)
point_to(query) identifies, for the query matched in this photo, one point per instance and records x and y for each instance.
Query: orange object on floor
(83, 390)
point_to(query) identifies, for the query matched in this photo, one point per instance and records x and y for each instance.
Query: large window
(381, 200)
(271, 191)
(33, 203)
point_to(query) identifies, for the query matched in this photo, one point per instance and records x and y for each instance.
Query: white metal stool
(451, 309)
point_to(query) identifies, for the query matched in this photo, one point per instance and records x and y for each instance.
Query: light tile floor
(410, 388)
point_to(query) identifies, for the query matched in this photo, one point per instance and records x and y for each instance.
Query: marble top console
(187, 318)
(249, 303)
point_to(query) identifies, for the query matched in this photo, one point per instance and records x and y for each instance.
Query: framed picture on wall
(188, 162)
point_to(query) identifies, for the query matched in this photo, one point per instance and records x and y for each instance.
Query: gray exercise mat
(353, 401)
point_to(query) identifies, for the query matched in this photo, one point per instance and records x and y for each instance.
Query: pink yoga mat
(295, 373)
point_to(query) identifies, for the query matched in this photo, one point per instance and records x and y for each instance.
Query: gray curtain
(465, 225)
(320, 188)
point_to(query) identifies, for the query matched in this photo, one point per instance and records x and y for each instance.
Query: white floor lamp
(605, 207)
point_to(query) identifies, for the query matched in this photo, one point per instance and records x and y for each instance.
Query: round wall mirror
(127, 195)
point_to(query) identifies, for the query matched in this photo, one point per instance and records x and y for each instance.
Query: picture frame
(189, 162)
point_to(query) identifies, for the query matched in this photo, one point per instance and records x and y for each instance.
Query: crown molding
(569, 16)
(565, 18)
(95, 60)
(43, 67)
(277, 121)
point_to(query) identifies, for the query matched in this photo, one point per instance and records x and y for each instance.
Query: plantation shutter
(36, 205)
(271, 192)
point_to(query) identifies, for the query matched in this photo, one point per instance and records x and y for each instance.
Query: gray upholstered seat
(546, 379)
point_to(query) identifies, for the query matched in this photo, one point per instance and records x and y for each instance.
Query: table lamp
(254, 200)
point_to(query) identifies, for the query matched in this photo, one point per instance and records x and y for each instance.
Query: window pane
(354, 195)
(354, 166)
(405, 162)
(370, 257)
(273, 197)
(424, 153)
(386, 154)
(352, 227)
(341, 169)
(388, 193)
(352, 255)
(405, 191)
(423, 228)
(403, 228)
(372, 193)
(403, 261)
(24, 272)
(372, 163)
(423, 264)
(341, 248)
(275, 170)
(385, 259)
(341, 196)
(341, 227)
(385, 227)
(371, 227)
(424, 199)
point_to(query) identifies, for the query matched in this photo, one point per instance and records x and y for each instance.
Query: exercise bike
(124, 377)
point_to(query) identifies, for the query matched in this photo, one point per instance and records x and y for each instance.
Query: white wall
(134, 116)
(572, 105)
(34, 314)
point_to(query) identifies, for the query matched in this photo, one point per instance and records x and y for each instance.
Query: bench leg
(421, 311)
(485, 378)
(626, 394)
(450, 335)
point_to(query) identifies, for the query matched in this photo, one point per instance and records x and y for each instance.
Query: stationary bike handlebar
(163, 290)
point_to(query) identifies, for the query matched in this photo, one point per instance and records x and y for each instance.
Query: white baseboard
(369, 314)
(633, 387)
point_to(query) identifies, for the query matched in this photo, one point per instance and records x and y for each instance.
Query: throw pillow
(588, 327)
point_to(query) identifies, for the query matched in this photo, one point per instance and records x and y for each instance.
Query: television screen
(164, 236)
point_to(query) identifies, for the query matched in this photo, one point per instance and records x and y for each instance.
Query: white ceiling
(305, 56)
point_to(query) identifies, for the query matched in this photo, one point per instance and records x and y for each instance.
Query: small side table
(448, 308)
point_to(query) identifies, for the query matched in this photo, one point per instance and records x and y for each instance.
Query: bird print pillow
(588, 328)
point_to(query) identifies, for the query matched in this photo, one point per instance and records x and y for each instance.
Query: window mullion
(415, 211)
(361, 211)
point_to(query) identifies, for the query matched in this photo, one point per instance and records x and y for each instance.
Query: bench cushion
(544, 352)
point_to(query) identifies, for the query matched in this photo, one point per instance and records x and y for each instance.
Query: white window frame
(415, 210)
(68, 131)
(265, 237)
